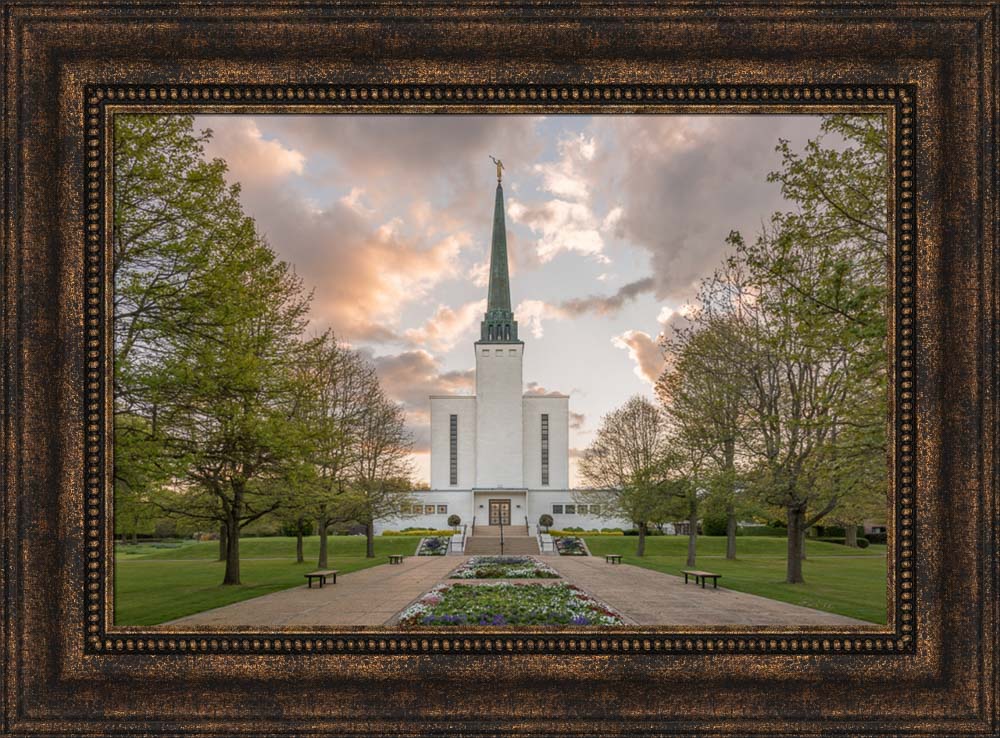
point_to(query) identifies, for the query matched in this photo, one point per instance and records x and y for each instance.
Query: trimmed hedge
(572, 532)
(762, 530)
(418, 532)
(862, 542)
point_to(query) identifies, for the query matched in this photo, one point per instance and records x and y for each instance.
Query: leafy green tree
(343, 389)
(627, 466)
(817, 340)
(231, 392)
(382, 467)
(171, 209)
(703, 390)
(781, 380)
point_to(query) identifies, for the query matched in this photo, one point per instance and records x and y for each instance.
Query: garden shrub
(876, 538)
(863, 543)
(570, 546)
(417, 532)
(433, 546)
(714, 525)
(545, 521)
(454, 520)
(762, 530)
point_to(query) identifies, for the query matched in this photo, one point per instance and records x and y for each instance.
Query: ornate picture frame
(931, 69)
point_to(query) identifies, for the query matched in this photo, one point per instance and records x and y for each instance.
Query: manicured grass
(154, 585)
(838, 579)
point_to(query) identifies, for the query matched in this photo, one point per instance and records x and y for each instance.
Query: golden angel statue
(499, 167)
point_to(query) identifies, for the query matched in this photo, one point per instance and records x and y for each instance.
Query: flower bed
(504, 567)
(506, 603)
(433, 546)
(570, 546)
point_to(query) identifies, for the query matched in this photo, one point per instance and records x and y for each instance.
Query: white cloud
(353, 201)
(566, 177)
(644, 351)
(250, 156)
(446, 327)
(566, 221)
(560, 226)
(532, 313)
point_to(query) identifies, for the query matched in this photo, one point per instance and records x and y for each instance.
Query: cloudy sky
(611, 223)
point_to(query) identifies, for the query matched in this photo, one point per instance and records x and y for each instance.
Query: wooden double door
(499, 512)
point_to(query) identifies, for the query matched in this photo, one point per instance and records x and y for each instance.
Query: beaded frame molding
(896, 103)
(931, 67)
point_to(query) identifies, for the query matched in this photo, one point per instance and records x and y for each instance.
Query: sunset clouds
(612, 221)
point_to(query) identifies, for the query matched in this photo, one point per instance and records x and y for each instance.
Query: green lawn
(838, 579)
(153, 585)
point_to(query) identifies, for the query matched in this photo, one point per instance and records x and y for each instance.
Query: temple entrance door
(499, 512)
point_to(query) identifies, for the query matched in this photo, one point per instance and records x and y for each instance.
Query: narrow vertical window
(453, 451)
(545, 449)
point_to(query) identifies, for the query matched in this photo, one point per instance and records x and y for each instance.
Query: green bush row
(591, 532)
(762, 530)
(417, 532)
(862, 542)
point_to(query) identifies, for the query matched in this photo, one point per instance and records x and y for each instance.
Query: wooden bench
(701, 576)
(395, 558)
(321, 575)
(613, 558)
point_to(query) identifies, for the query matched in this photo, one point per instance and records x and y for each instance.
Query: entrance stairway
(486, 541)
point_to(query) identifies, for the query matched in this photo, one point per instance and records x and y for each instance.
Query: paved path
(366, 597)
(374, 596)
(652, 598)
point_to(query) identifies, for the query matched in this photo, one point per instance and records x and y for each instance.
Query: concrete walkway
(375, 596)
(366, 597)
(652, 598)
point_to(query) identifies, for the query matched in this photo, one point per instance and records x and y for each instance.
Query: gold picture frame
(930, 68)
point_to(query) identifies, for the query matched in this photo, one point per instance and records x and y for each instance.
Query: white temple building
(500, 456)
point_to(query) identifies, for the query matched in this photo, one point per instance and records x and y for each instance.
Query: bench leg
(703, 582)
(334, 578)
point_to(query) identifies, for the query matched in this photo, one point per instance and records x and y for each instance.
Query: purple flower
(580, 620)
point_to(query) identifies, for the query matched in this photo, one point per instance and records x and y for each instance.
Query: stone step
(493, 531)
(515, 545)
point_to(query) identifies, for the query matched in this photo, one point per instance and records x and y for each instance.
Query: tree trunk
(299, 557)
(135, 536)
(730, 533)
(796, 518)
(804, 530)
(223, 545)
(232, 553)
(641, 549)
(322, 544)
(370, 536)
(692, 530)
(851, 536)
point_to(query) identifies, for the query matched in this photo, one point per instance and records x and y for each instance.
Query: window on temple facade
(453, 451)
(545, 449)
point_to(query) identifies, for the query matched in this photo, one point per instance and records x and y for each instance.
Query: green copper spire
(499, 325)
(499, 298)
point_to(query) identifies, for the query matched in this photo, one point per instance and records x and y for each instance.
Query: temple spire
(499, 324)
